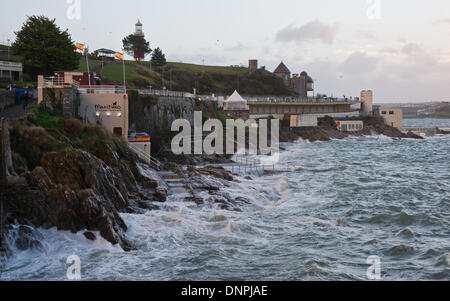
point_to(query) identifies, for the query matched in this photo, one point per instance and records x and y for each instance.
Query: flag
(119, 55)
(79, 46)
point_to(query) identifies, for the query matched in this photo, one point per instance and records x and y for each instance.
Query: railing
(245, 164)
(146, 157)
(277, 99)
(10, 64)
(164, 93)
(58, 81)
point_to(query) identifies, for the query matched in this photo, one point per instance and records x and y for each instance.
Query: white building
(109, 110)
(11, 70)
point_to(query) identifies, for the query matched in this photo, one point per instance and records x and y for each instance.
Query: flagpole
(87, 65)
(124, 81)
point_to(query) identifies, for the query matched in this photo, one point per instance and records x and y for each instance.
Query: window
(391, 112)
(384, 112)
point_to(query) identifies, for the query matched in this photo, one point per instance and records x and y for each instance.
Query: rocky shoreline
(327, 129)
(82, 178)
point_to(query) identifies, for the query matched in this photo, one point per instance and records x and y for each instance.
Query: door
(118, 132)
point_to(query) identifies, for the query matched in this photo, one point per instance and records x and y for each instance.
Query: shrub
(73, 127)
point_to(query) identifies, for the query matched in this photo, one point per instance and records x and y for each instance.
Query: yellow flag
(119, 55)
(79, 46)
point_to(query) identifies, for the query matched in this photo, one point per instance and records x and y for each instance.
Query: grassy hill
(184, 77)
(82, 67)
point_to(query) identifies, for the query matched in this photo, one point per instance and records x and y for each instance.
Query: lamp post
(9, 58)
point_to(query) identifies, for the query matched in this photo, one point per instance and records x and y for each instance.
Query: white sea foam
(347, 193)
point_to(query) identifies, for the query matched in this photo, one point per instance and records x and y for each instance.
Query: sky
(397, 48)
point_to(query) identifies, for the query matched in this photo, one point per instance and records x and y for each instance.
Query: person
(24, 98)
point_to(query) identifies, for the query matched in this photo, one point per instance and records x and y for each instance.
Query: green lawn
(227, 70)
(134, 74)
(82, 67)
(114, 72)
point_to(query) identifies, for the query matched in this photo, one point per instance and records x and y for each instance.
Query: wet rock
(72, 191)
(444, 260)
(152, 181)
(216, 171)
(377, 125)
(89, 235)
(342, 223)
(407, 232)
(27, 238)
(400, 250)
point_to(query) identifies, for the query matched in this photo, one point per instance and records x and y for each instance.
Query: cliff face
(80, 179)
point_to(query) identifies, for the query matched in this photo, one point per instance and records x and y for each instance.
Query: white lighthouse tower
(139, 32)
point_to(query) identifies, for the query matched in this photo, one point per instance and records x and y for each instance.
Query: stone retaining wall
(7, 98)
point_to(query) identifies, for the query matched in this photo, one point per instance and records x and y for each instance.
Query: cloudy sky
(398, 48)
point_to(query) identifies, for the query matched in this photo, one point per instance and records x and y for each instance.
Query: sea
(350, 204)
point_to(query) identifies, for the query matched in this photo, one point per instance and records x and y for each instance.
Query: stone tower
(252, 66)
(367, 103)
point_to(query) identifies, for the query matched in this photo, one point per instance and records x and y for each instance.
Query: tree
(158, 58)
(44, 47)
(206, 83)
(136, 46)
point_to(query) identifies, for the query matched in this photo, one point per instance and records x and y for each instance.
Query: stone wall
(62, 100)
(7, 98)
(154, 115)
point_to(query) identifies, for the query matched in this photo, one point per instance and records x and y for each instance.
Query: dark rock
(27, 238)
(216, 171)
(89, 235)
(407, 232)
(72, 191)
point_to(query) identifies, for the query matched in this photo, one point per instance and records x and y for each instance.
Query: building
(349, 124)
(301, 112)
(109, 110)
(95, 104)
(83, 78)
(140, 143)
(106, 54)
(302, 84)
(284, 73)
(376, 110)
(366, 103)
(12, 71)
(392, 117)
(252, 66)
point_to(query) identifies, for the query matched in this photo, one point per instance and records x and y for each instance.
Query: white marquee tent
(236, 103)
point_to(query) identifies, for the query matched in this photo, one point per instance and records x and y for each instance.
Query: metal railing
(246, 164)
(146, 157)
(163, 93)
(278, 99)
